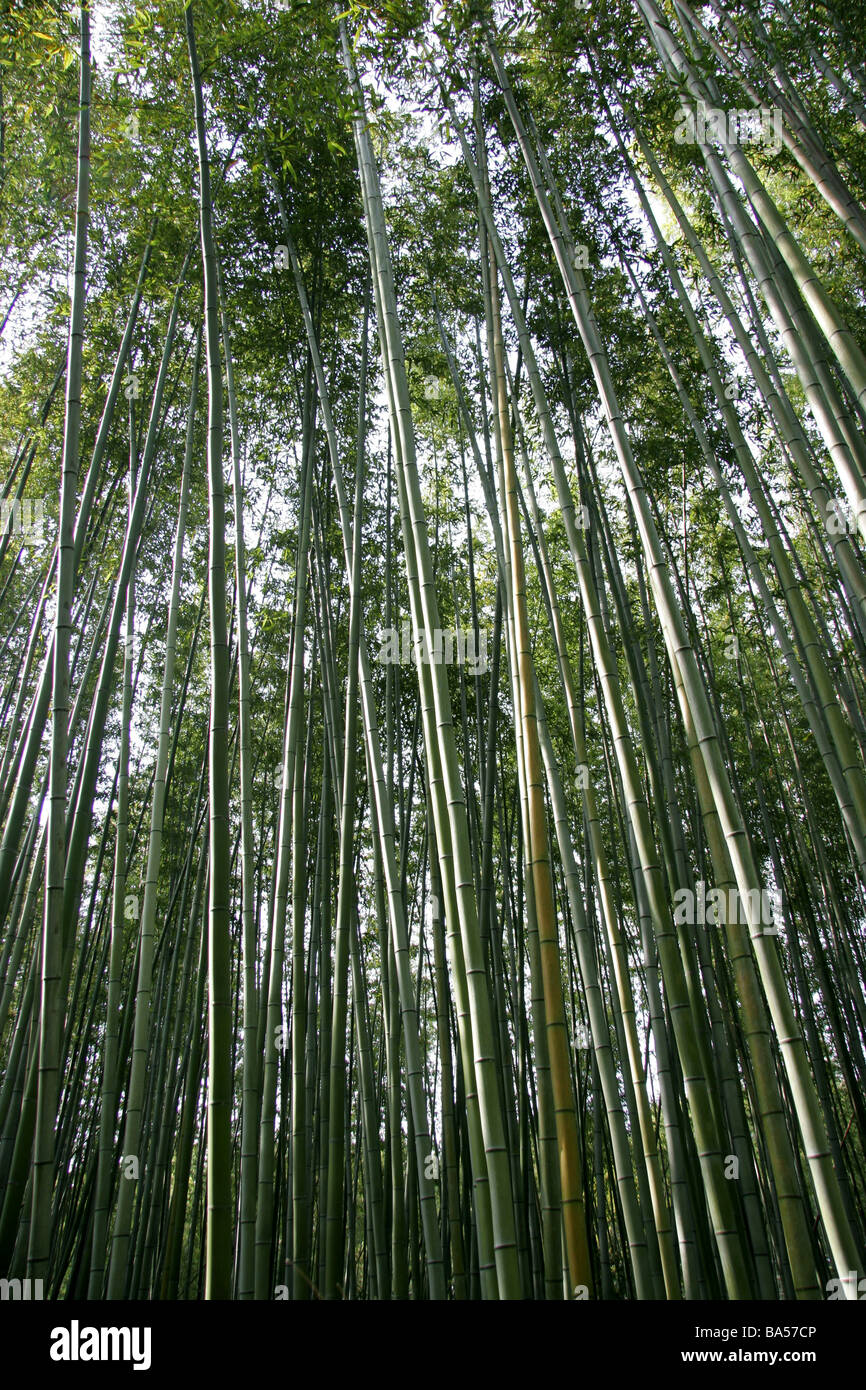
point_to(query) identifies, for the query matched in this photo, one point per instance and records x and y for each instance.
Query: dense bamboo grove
(433, 650)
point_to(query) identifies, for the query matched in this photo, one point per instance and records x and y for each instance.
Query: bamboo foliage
(434, 867)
